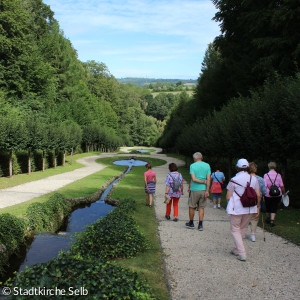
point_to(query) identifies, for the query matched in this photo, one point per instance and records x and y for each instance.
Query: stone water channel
(46, 246)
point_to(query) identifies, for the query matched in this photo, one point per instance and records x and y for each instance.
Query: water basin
(130, 162)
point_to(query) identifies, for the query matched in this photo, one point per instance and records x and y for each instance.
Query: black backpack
(175, 184)
(274, 190)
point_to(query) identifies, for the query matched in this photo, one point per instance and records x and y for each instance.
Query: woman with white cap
(239, 215)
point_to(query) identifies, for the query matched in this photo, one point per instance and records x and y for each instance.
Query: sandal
(150, 205)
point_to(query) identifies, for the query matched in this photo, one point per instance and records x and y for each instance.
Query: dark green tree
(14, 136)
(258, 38)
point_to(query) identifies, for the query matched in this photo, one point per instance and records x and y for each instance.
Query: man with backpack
(275, 189)
(243, 198)
(198, 189)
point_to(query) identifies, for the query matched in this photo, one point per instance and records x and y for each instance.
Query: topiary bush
(48, 216)
(126, 205)
(100, 280)
(4, 164)
(11, 237)
(114, 236)
(38, 218)
(22, 157)
(38, 160)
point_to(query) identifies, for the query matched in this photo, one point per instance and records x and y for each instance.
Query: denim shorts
(216, 196)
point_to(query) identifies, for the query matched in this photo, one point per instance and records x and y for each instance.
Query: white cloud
(189, 19)
(139, 37)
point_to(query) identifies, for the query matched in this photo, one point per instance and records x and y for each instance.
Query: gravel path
(33, 189)
(199, 263)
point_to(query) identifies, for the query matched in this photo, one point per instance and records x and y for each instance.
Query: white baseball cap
(242, 163)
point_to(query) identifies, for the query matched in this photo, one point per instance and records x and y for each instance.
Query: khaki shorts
(197, 199)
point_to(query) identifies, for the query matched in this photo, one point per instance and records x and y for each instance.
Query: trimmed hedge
(23, 161)
(48, 216)
(11, 237)
(101, 280)
(114, 236)
(4, 165)
(20, 161)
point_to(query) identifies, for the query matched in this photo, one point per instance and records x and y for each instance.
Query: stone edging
(96, 196)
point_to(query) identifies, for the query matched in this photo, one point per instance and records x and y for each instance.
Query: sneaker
(219, 206)
(200, 227)
(189, 225)
(242, 257)
(233, 251)
(252, 237)
(214, 206)
(175, 219)
(167, 217)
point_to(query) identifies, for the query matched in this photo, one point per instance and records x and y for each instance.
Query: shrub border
(6, 251)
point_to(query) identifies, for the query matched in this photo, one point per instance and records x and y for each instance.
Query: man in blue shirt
(199, 189)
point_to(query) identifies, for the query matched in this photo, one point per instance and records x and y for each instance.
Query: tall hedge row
(262, 127)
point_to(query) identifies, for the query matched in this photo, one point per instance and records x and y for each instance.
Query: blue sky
(140, 38)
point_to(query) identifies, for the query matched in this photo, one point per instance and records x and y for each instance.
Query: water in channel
(46, 246)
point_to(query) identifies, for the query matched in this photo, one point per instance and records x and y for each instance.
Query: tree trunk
(72, 156)
(29, 162)
(64, 160)
(43, 161)
(55, 160)
(10, 164)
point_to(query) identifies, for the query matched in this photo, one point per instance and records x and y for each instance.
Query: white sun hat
(285, 200)
(242, 163)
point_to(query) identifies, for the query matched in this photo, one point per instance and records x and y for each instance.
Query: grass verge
(81, 188)
(148, 264)
(6, 182)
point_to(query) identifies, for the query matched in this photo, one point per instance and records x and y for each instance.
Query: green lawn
(148, 264)
(81, 188)
(287, 224)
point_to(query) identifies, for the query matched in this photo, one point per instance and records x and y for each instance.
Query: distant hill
(143, 81)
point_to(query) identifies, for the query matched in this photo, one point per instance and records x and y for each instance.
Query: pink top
(268, 183)
(149, 175)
